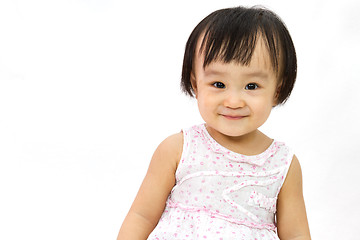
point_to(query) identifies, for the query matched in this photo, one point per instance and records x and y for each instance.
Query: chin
(231, 131)
(235, 133)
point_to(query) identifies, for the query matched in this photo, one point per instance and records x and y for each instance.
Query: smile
(232, 117)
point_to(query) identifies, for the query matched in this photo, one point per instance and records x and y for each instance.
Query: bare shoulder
(294, 176)
(173, 143)
(295, 164)
(170, 149)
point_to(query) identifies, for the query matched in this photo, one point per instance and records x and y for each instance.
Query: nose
(234, 99)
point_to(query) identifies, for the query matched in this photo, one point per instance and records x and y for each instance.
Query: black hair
(231, 35)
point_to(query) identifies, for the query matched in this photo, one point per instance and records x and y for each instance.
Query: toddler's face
(235, 100)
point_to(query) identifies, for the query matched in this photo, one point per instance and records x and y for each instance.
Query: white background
(88, 89)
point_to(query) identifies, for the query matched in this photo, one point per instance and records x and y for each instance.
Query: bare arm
(291, 213)
(149, 203)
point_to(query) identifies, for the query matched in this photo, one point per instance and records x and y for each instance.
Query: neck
(252, 143)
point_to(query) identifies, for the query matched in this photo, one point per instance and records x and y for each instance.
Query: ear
(276, 95)
(193, 83)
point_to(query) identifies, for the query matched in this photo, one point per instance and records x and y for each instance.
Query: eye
(219, 85)
(251, 86)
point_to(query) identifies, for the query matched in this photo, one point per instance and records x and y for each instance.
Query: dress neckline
(258, 159)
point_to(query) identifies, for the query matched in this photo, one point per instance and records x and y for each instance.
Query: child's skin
(234, 101)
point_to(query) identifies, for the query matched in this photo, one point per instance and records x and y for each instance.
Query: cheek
(206, 102)
(262, 107)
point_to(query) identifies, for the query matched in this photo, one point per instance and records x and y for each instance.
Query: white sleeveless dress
(220, 194)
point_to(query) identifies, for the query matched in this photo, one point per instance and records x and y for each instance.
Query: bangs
(229, 39)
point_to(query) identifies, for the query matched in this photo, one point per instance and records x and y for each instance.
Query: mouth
(232, 117)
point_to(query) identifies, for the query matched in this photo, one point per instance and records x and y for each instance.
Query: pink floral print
(220, 194)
